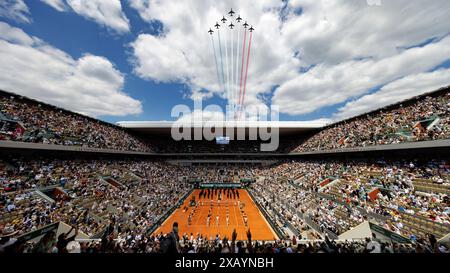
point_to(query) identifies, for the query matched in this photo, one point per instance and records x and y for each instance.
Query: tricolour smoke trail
(242, 66)
(246, 69)
(221, 60)
(215, 59)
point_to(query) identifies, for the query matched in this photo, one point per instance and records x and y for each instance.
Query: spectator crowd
(30, 121)
(307, 199)
(96, 192)
(428, 118)
(339, 195)
(419, 119)
(311, 202)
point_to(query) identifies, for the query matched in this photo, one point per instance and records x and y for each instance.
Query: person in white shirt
(10, 207)
(373, 246)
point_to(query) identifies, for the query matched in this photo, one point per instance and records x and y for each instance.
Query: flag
(342, 140)
(18, 132)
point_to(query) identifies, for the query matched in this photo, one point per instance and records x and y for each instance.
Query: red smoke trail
(242, 66)
(246, 69)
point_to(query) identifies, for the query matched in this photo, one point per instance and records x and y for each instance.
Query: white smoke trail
(232, 68)
(237, 64)
(226, 65)
(221, 62)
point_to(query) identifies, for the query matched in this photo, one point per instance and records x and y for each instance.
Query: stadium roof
(285, 127)
(164, 127)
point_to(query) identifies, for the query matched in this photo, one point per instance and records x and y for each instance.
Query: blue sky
(314, 59)
(77, 36)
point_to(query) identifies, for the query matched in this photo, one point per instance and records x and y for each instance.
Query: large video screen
(222, 140)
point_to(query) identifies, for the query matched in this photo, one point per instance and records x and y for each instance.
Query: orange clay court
(258, 225)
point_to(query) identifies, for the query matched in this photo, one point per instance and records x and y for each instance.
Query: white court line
(235, 216)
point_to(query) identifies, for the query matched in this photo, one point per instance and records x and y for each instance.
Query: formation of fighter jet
(229, 38)
(231, 25)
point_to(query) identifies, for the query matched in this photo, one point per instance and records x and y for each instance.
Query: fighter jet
(231, 25)
(231, 12)
(224, 20)
(251, 29)
(239, 19)
(245, 25)
(217, 25)
(210, 31)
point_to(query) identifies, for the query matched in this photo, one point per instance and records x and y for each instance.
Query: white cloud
(396, 91)
(90, 85)
(164, 64)
(59, 5)
(15, 10)
(106, 13)
(326, 85)
(331, 31)
(15, 35)
(183, 51)
(351, 46)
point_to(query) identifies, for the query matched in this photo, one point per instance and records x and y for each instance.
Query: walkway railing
(166, 215)
(274, 227)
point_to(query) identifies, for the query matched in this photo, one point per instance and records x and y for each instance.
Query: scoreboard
(222, 140)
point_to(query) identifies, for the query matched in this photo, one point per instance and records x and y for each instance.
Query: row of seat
(431, 189)
(426, 225)
(430, 186)
(341, 214)
(412, 223)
